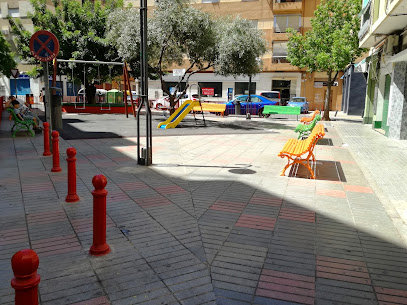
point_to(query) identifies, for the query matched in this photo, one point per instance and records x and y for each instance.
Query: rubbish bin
(29, 98)
(56, 111)
(238, 108)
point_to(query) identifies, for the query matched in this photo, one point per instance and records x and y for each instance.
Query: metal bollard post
(47, 152)
(99, 246)
(25, 282)
(55, 152)
(72, 196)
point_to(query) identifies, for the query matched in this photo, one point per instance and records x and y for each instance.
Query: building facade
(273, 17)
(384, 32)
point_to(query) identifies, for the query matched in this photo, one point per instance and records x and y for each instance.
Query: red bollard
(25, 282)
(55, 152)
(47, 152)
(72, 196)
(99, 246)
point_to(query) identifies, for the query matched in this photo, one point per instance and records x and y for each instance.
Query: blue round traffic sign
(44, 46)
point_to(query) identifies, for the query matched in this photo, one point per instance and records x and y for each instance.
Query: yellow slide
(178, 115)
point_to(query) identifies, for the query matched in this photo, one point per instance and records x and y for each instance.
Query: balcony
(287, 6)
(394, 20)
(366, 39)
(280, 60)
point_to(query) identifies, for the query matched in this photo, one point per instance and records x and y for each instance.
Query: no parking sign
(44, 46)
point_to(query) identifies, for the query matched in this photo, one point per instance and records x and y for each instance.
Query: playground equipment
(179, 114)
(114, 96)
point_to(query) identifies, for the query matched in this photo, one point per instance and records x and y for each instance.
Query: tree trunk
(172, 104)
(90, 92)
(328, 97)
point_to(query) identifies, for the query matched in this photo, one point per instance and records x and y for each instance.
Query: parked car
(298, 101)
(135, 96)
(255, 106)
(273, 96)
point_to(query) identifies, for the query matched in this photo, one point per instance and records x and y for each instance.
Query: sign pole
(47, 95)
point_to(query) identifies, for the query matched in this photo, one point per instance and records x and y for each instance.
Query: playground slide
(178, 115)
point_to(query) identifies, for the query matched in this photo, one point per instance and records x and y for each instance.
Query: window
(279, 52)
(174, 84)
(72, 90)
(217, 86)
(14, 12)
(23, 86)
(283, 22)
(243, 88)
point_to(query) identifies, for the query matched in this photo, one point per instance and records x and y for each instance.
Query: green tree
(80, 29)
(180, 35)
(7, 61)
(331, 44)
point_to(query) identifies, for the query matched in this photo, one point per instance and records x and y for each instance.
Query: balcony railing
(287, 6)
(280, 60)
(284, 1)
(365, 21)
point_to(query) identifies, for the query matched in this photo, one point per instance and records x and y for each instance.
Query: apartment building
(273, 17)
(384, 32)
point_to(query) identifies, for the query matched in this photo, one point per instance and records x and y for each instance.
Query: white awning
(401, 56)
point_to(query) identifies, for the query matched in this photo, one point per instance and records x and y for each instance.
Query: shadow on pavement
(195, 241)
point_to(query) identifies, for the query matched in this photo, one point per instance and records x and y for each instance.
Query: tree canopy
(7, 61)
(181, 35)
(80, 29)
(332, 43)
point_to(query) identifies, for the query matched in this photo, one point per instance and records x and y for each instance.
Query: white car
(98, 91)
(163, 102)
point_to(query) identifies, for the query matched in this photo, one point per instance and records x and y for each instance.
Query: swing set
(80, 103)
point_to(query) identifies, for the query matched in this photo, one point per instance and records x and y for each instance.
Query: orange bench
(301, 151)
(307, 120)
(211, 107)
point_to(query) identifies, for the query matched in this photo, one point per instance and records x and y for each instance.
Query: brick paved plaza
(212, 222)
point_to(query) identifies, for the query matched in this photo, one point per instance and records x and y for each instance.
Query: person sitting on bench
(27, 116)
(24, 108)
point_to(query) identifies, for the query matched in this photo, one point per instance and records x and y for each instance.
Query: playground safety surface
(211, 221)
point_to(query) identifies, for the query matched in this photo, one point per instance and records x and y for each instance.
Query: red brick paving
(395, 296)
(343, 270)
(256, 222)
(286, 286)
(331, 193)
(358, 189)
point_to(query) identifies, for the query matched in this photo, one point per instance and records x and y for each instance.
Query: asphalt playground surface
(211, 221)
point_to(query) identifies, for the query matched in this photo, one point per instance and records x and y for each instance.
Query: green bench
(305, 130)
(282, 110)
(26, 125)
